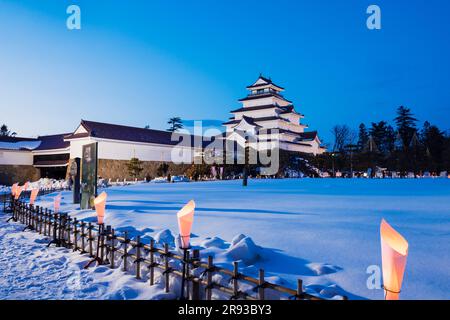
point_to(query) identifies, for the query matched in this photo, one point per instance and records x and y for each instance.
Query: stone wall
(10, 174)
(117, 169)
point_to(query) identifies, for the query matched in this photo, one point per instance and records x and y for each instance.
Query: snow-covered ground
(325, 231)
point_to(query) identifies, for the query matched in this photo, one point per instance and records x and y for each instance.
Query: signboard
(89, 175)
(75, 175)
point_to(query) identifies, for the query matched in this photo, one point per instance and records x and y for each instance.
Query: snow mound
(237, 238)
(215, 242)
(320, 269)
(165, 236)
(244, 250)
(332, 292)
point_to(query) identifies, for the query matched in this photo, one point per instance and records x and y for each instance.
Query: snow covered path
(31, 270)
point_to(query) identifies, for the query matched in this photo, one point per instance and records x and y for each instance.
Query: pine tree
(433, 140)
(5, 132)
(406, 124)
(135, 167)
(379, 133)
(175, 124)
(363, 136)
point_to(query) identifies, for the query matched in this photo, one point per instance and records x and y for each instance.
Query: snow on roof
(20, 145)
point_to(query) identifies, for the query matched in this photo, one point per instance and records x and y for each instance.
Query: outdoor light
(185, 219)
(394, 251)
(100, 205)
(33, 195)
(14, 189)
(17, 192)
(57, 203)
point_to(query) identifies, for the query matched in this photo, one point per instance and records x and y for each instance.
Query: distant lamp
(57, 203)
(185, 219)
(100, 205)
(394, 251)
(33, 195)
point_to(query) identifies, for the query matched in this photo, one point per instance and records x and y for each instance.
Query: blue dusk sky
(141, 62)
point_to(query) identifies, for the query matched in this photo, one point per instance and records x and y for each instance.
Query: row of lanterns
(394, 247)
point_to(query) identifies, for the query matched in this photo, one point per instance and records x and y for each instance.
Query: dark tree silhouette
(175, 124)
(5, 132)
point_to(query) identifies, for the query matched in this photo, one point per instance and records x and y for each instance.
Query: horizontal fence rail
(151, 262)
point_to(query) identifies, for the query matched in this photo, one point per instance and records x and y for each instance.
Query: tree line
(402, 147)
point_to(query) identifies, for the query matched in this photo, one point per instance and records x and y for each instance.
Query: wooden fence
(147, 261)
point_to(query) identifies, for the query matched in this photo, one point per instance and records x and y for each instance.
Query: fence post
(166, 267)
(195, 284)
(75, 234)
(41, 220)
(90, 238)
(209, 278)
(83, 236)
(125, 251)
(261, 285)
(113, 247)
(299, 289)
(138, 257)
(68, 220)
(152, 262)
(235, 280)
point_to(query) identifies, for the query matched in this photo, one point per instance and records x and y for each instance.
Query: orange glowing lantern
(57, 203)
(25, 186)
(185, 219)
(100, 206)
(33, 195)
(394, 251)
(14, 189)
(17, 192)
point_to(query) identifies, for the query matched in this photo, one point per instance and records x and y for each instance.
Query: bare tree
(343, 136)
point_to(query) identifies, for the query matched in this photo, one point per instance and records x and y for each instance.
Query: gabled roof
(264, 95)
(256, 119)
(308, 135)
(267, 106)
(125, 133)
(53, 142)
(250, 121)
(263, 81)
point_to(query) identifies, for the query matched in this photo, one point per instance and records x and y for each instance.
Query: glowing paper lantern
(57, 203)
(185, 219)
(100, 206)
(33, 195)
(17, 192)
(25, 186)
(14, 189)
(394, 251)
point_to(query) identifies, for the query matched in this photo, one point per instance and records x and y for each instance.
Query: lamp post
(394, 251)
(100, 207)
(185, 220)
